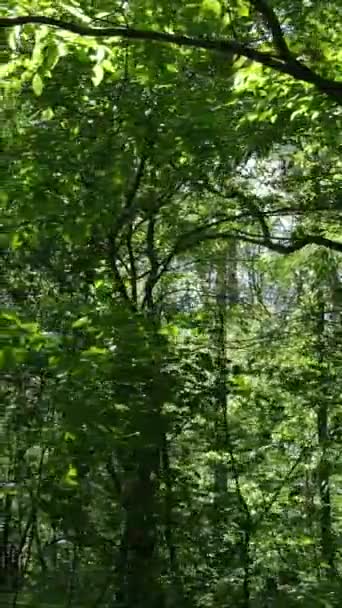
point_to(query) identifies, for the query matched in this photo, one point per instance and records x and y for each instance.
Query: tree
(171, 239)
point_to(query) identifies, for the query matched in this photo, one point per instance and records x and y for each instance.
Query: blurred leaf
(37, 85)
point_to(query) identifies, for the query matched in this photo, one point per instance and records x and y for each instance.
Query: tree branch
(153, 275)
(118, 280)
(272, 22)
(126, 217)
(132, 264)
(295, 245)
(268, 506)
(281, 64)
(261, 218)
(127, 214)
(183, 243)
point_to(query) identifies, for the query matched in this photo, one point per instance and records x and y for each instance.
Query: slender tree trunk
(323, 469)
(226, 297)
(245, 556)
(138, 573)
(139, 560)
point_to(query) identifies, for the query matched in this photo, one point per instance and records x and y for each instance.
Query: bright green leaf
(98, 74)
(52, 56)
(37, 55)
(95, 351)
(81, 322)
(48, 114)
(71, 476)
(243, 8)
(211, 6)
(37, 85)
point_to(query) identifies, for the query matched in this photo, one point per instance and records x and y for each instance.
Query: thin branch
(40, 552)
(287, 478)
(132, 192)
(119, 282)
(295, 245)
(294, 68)
(153, 275)
(114, 476)
(272, 22)
(132, 264)
(127, 214)
(195, 237)
(191, 240)
(168, 505)
(72, 576)
(126, 217)
(260, 216)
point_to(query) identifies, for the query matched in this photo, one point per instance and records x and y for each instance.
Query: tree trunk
(226, 297)
(323, 469)
(138, 572)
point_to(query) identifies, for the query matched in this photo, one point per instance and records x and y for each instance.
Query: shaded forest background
(171, 304)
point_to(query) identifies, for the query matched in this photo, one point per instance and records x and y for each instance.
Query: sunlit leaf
(211, 6)
(81, 322)
(37, 84)
(98, 74)
(52, 55)
(71, 476)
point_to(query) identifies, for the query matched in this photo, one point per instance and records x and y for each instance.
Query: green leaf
(81, 322)
(108, 66)
(211, 6)
(48, 114)
(13, 38)
(52, 56)
(76, 12)
(37, 55)
(98, 74)
(37, 85)
(95, 351)
(243, 9)
(71, 476)
(69, 436)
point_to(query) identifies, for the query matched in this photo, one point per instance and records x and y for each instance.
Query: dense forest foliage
(171, 304)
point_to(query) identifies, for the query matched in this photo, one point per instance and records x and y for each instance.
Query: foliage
(171, 311)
